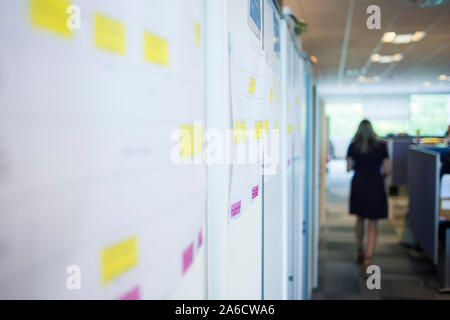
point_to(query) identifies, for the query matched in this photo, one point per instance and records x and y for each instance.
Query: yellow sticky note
(156, 49)
(259, 129)
(298, 127)
(251, 85)
(266, 126)
(296, 100)
(118, 258)
(198, 138)
(109, 34)
(271, 94)
(277, 125)
(198, 33)
(187, 140)
(239, 131)
(52, 15)
(290, 128)
(277, 97)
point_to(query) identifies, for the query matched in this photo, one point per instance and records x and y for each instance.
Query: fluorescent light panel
(392, 37)
(368, 79)
(402, 38)
(386, 58)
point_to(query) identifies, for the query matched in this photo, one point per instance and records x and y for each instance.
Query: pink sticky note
(132, 295)
(255, 191)
(200, 238)
(289, 163)
(188, 256)
(235, 208)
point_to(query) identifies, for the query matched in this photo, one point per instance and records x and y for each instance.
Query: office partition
(423, 184)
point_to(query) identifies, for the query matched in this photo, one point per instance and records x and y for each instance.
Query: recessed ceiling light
(388, 37)
(418, 35)
(368, 79)
(442, 77)
(397, 57)
(387, 58)
(313, 59)
(392, 37)
(403, 38)
(375, 57)
(427, 84)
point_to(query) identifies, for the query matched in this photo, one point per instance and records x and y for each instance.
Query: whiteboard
(86, 129)
(243, 251)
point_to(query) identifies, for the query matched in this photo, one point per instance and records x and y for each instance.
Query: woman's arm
(386, 167)
(349, 164)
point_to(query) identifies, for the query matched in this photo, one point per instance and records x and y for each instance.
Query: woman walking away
(367, 155)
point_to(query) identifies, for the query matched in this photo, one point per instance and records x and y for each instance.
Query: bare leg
(359, 230)
(371, 241)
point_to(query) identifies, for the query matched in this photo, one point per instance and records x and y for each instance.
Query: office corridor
(405, 273)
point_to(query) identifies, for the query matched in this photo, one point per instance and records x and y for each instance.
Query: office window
(344, 118)
(429, 114)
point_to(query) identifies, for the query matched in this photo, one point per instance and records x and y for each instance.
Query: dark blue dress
(368, 196)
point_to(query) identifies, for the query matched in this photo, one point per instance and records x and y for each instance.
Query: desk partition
(398, 151)
(423, 183)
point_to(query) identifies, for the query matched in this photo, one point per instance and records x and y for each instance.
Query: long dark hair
(365, 138)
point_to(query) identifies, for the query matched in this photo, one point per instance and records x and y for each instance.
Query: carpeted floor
(405, 273)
